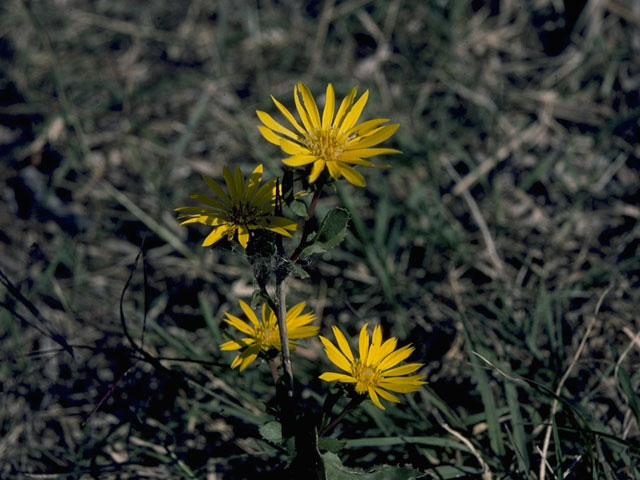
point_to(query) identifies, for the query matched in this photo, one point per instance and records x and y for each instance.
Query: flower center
(268, 337)
(366, 376)
(326, 143)
(242, 213)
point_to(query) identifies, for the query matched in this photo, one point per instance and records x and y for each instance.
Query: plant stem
(287, 400)
(307, 225)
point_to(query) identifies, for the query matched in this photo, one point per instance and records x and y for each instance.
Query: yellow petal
(396, 357)
(250, 314)
(310, 105)
(287, 114)
(364, 127)
(344, 107)
(363, 343)
(351, 175)
(340, 377)
(374, 398)
(403, 370)
(298, 160)
(243, 236)
(374, 358)
(215, 235)
(335, 356)
(306, 121)
(254, 182)
(294, 312)
(386, 395)
(239, 324)
(303, 332)
(370, 152)
(270, 136)
(387, 347)
(293, 148)
(354, 113)
(318, 167)
(237, 344)
(407, 387)
(333, 170)
(378, 137)
(343, 343)
(273, 125)
(329, 105)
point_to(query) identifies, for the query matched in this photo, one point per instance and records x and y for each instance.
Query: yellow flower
(333, 141)
(264, 334)
(375, 371)
(248, 206)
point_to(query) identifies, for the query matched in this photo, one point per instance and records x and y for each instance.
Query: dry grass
(511, 214)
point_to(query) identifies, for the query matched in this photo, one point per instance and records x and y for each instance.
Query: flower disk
(375, 371)
(247, 206)
(334, 141)
(262, 335)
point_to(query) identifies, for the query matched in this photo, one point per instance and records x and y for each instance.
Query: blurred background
(505, 234)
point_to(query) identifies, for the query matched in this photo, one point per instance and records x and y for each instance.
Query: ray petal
(335, 356)
(318, 167)
(310, 105)
(340, 377)
(344, 107)
(352, 175)
(215, 235)
(275, 126)
(343, 343)
(354, 113)
(304, 116)
(329, 105)
(287, 114)
(374, 398)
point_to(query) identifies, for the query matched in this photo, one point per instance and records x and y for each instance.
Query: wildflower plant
(323, 148)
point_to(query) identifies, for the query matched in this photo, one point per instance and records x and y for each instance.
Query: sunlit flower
(263, 334)
(374, 371)
(336, 142)
(247, 206)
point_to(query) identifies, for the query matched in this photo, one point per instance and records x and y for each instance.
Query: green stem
(306, 230)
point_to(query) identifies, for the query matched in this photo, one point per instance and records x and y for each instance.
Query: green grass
(506, 228)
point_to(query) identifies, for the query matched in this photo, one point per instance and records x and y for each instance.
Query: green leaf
(336, 471)
(271, 431)
(299, 208)
(331, 232)
(298, 271)
(330, 444)
(257, 298)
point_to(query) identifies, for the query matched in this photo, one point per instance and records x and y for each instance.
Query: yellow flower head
(374, 371)
(334, 141)
(247, 206)
(263, 334)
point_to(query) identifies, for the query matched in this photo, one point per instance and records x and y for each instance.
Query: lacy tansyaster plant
(335, 141)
